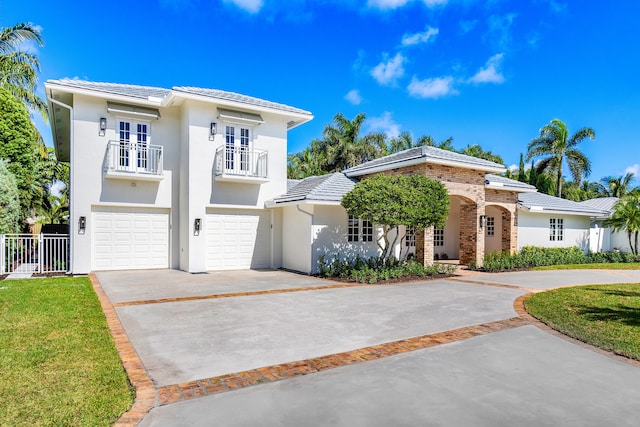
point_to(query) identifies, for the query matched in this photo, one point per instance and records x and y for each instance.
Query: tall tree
(18, 145)
(19, 69)
(522, 174)
(616, 186)
(555, 143)
(405, 141)
(626, 216)
(476, 150)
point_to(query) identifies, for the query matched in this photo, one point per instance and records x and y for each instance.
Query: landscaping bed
(377, 271)
(58, 361)
(606, 316)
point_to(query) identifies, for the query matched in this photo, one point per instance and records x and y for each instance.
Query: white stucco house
(195, 179)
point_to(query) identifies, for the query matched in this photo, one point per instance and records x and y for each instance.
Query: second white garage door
(238, 239)
(129, 238)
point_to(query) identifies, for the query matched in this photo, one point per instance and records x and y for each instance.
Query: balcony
(240, 164)
(126, 160)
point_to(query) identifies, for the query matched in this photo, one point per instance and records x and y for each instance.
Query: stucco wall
(493, 243)
(296, 239)
(533, 230)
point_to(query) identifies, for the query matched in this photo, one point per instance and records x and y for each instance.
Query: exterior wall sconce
(197, 225)
(82, 224)
(103, 126)
(212, 130)
(483, 219)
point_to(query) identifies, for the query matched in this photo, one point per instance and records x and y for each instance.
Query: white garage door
(128, 238)
(238, 239)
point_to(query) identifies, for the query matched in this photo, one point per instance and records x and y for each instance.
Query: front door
(237, 152)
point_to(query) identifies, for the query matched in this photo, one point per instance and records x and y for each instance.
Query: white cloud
(395, 4)
(427, 36)
(634, 169)
(558, 7)
(467, 26)
(383, 123)
(389, 70)
(432, 88)
(251, 6)
(490, 73)
(353, 96)
(387, 4)
(513, 168)
(500, 29)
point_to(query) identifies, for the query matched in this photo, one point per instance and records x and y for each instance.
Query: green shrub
(374, 269)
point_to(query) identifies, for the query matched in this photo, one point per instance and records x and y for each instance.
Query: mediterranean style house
(195, 179)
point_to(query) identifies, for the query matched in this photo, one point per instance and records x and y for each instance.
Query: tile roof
(538, 202)
(426, 152)
(328, 188)
(236, 97)
(134, 91)
(602, 203)
(498, 180)
(144, 92)
(292, 183)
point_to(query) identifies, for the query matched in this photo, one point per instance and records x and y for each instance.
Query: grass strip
(596, 266)
(58, 362)
(606, 316)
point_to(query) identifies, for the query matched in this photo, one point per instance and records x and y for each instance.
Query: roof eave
(219, 101)
(560, 212)
(509, 188)
(274, 204)
(105, 95)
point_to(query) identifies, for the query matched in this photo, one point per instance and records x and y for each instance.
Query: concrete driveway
(194, 327)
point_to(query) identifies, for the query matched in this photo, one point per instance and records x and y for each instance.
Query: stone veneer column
(471, 235)
(424, 246)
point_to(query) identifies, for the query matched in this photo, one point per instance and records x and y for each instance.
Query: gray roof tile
(602, 203)
(328, 188)
(507, 182)
(545, 202)
(236, 97)
(134, 91)
(428, 153)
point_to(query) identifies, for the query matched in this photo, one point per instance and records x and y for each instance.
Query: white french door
(134, 138)
(237, 140)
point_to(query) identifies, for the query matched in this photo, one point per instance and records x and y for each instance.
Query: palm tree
(626, 216)
(19, 69)
(555, 142)
(476, 150)
(405, 141)
(344, 147)
(616, 186)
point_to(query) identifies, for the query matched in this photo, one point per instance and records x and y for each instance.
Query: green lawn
(58, 362)
(607, 316)
(597, 266)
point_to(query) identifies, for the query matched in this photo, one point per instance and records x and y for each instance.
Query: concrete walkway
(221, 334)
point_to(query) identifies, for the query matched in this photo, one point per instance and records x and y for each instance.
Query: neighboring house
(195, 179)
(171, 178)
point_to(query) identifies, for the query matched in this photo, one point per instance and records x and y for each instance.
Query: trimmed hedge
(534, 256)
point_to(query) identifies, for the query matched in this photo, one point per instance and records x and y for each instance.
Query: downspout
(71, 179)
(311, 234)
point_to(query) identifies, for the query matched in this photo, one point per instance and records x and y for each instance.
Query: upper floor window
(491, 226)
(438, 236)
(237, 141)
(359, 230)
(134, 137)
(556, 229)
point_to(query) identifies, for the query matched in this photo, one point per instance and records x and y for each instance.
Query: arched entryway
(499, 229)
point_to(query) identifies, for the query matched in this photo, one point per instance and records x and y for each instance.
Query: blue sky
(486, 72)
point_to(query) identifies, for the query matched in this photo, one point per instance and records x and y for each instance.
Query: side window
(491, 226)
(367, 231)
(438, 237)
(353, 229)
(410, 238)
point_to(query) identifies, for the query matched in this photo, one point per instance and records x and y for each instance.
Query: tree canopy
(626, 217)
(392, 200)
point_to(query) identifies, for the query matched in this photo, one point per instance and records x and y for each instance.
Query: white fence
(28, 253)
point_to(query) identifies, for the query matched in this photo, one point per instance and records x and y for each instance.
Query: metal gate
(29, 253)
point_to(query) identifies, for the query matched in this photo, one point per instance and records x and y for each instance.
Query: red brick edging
(145, 389)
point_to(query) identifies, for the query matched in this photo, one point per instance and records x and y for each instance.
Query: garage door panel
(130, 238)
(238, 239)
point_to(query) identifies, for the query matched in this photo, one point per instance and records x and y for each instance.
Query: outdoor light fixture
(82, 224)
(103, 126)
(482, 220)
(197, 224)
(212, 130)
